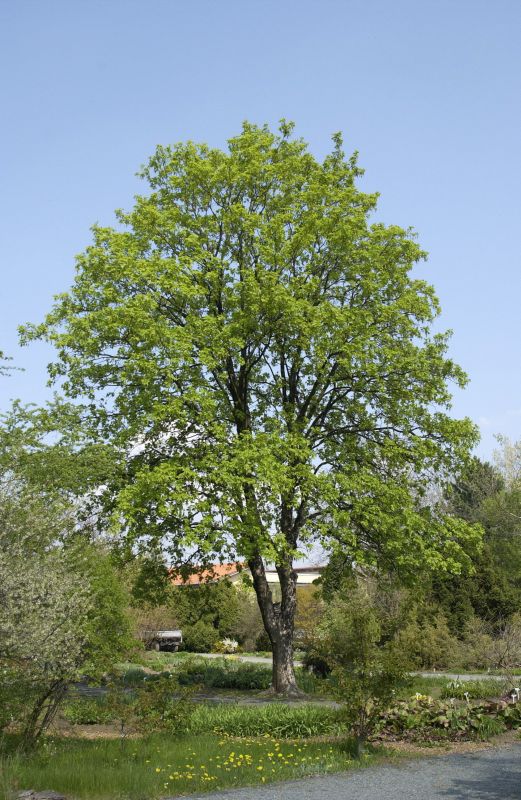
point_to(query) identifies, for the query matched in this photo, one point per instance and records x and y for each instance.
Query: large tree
(262, 355)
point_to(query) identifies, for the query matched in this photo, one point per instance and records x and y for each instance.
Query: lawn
(161, 765)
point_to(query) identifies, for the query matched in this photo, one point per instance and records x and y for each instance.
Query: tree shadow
(500, 781)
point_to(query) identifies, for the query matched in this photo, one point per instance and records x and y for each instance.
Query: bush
(263, 643)
(200, 638)
(428, 643)
(67, 618)
(476, 645)
(247, 625)
(226, 645)
(217, 605)
(134, 676)
(162, 706)
(365, 674)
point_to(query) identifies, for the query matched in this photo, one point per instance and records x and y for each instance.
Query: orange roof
(215, 573)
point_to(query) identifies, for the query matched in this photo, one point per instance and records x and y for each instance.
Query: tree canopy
(262, 356)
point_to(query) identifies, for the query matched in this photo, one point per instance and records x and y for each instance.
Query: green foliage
(108, 627)
(200, 638)
(270, 351)
(473, 690)
(248, 627)
(162, 705)
(215, 605)
(44, 606)
(88, 711)
(310, 611)
(491, 497)
(49, 449)
(4, 368)
(426, 719)
(365, 673)
(107, 769)
(134, 676)
(427, 643)
(226, 675)
(263, 643)
(62, 610)
(275, 720)
(62, 607)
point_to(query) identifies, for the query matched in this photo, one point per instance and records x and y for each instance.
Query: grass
(161, 765)
(419, 685)
(474, 690)
(441, 687)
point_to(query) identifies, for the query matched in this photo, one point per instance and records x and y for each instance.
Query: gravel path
(491, 774)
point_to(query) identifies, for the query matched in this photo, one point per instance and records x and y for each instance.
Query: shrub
(215, 604)
(65, 619)
(226, 645)
(476, 645)
(428, 643)
(248, 623)
(263, 643)
(162, 706)
(200, 638)
(134, 676)
(365, 675)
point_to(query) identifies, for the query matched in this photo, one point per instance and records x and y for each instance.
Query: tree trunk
(279, 621)
(42, 714)
(283, 680)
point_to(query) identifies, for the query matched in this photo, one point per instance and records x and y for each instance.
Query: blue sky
(428, 92)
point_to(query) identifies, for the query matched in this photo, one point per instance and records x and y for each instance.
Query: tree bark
(279, 622)
(283, 680)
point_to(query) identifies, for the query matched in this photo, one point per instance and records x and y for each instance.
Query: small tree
(505, 650)
(43, 605)
(261, 355)
(62, 612)
(365, 673)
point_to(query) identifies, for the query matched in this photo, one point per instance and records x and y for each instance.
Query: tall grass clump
(278, 720)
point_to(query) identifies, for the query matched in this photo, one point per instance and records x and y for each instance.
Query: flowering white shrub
(43, 607)
(57, 610)
(229, 645)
